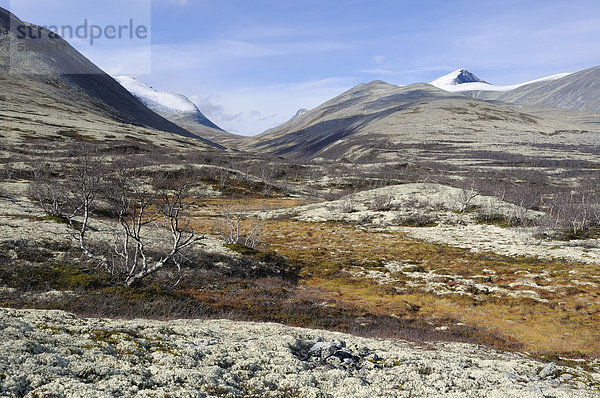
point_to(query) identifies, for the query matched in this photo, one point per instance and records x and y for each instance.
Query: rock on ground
(56, 354)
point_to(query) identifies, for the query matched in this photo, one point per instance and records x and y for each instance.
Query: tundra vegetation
(128, 229)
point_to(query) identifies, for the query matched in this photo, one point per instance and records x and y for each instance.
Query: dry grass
(543, 307)
(214, 205)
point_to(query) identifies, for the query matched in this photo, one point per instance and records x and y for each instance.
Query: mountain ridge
(379, 121)
(578, 91)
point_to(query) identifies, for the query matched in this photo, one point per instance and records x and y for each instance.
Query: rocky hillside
(51, 353)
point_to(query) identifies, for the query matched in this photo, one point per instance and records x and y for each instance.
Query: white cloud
(379, 59)
(214, 111)
(378, 71)
(252, 110)
(193, 55)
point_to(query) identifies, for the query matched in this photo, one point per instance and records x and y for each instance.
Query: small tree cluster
(468, 191)
(572, 214)
(382, 202)
(142, 209)
(237, 229)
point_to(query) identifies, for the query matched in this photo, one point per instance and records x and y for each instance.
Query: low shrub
(416, 220)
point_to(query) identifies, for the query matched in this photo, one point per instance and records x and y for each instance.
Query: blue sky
(249, 65)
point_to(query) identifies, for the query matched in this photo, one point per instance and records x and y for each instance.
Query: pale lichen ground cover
(53, 353)
(440, 204)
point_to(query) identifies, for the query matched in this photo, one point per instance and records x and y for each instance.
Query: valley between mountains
(421, 240)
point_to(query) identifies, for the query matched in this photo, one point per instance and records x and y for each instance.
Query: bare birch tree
(467, 193)
(573, 213)
(235, 232)
(142, 212)
(85, 179)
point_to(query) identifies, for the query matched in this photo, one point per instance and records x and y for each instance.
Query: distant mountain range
(371, 121)
(379, 121)
(579, 91)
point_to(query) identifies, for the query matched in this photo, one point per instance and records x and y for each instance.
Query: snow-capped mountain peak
(459, 76)
(463, 80)
(175, 107)
(158, 100)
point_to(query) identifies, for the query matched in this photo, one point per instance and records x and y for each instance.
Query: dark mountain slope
(51, 68)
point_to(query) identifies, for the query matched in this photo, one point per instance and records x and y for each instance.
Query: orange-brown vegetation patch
(541, 306)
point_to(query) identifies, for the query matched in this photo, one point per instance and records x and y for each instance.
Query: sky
(250, 65)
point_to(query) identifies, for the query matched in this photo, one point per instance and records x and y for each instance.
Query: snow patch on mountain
(157, 100)
(456, 78)
(463, 80)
